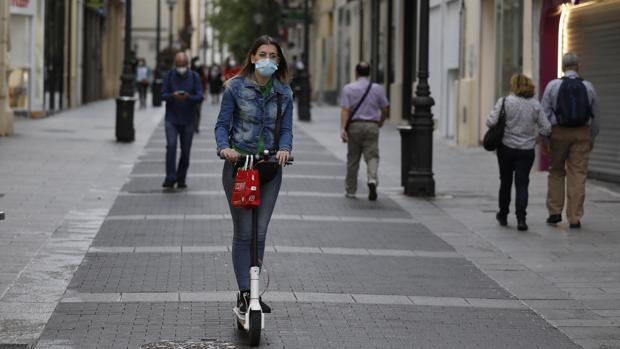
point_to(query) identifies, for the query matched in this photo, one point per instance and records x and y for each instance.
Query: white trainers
(350, 196)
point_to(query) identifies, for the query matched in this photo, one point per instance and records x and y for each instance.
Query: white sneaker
(350, 196)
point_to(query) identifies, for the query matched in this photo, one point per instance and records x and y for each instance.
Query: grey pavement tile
(155, 272)
(345, 251)
(158, 249)
(393, 253)
(204, 249)
(301, 325)
(495, 303)
(76, 297)
(297, 249)
(380, 299)
(365, 210)
(439, 301)
(150, 297)
(113, 249)
(285, 232)
(222, 296)
(305, 297)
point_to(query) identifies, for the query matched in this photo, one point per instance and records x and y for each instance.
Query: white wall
(144, 24)
(444, 58)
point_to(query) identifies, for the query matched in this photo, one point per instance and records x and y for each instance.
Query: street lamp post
(420, 180)
(125, 102)
(157, 81)
(171, 4)
(303, 100)
(406, 132)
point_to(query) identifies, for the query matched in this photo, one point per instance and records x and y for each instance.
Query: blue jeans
(242, 224)
(184, 133)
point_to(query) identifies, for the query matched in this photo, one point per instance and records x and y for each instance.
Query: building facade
(63, 54)
(592, 30)
(475, 48)
(6, 115)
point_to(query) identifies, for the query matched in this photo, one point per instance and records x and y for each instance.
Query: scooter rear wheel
(255, 328)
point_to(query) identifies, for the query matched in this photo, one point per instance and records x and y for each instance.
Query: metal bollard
(1, 216)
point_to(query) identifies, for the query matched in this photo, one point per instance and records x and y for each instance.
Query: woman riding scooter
(246, 125)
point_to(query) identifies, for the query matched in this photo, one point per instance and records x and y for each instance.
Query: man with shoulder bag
(364, 109)
(571, 105)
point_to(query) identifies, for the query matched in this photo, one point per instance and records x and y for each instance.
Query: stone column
(6, 115)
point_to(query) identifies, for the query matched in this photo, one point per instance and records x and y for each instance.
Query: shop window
(509, 24)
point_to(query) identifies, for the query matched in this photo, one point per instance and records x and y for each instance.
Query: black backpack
(573, 105)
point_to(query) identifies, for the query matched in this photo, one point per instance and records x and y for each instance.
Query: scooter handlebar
(268, 157)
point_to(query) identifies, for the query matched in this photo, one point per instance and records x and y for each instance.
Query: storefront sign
(23, 7)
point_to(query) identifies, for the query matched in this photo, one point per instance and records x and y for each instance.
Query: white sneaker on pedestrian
(350, 195)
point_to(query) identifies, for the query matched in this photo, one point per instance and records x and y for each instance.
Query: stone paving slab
(375, 235)
(167, 272)
(303, 167)
(153, 185)
(452, 304)
(302, 325)
(195, 205)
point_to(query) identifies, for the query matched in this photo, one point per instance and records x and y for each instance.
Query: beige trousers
(568, 168)
(363, 140)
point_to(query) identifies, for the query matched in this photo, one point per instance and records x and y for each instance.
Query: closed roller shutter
(593, 32)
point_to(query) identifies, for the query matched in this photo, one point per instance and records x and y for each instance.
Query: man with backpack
(364, 110)
(182, 91)
(571, 105)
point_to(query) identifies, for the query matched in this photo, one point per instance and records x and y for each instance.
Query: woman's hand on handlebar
(282, 156)
(229, 154)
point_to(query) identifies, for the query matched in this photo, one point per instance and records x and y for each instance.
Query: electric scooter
(253, 321)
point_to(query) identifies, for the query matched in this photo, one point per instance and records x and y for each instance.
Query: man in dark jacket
(182, 91)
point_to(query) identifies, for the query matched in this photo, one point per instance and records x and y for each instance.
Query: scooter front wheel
(255, 328)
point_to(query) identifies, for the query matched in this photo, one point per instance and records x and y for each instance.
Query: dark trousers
(184, 133)
(142, 90)
(198, 114)
(517, 163)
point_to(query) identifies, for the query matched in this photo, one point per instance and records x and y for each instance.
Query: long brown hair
(248, 68)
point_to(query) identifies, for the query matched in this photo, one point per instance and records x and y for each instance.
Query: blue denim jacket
(245, 115)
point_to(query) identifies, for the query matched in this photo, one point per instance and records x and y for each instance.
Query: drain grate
(203, 344)
(14, 346)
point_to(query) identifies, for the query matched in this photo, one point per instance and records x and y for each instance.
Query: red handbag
(246, 190)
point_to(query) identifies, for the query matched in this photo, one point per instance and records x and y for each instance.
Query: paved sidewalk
(344, 273)
(58, 178)
(571, 278)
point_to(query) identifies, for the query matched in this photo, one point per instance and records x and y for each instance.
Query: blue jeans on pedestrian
(515, 163)
(184, 133)
(242, 224)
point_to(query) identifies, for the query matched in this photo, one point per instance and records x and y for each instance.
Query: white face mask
(181, 70)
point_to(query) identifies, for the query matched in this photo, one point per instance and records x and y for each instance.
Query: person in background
(525, 120)
(215, 83)
(182, 91)
(143, 80)
(362, 134)
(231, 69)
(571, 105)
(199, 69)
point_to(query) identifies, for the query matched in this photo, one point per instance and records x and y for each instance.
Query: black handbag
(494, 135)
